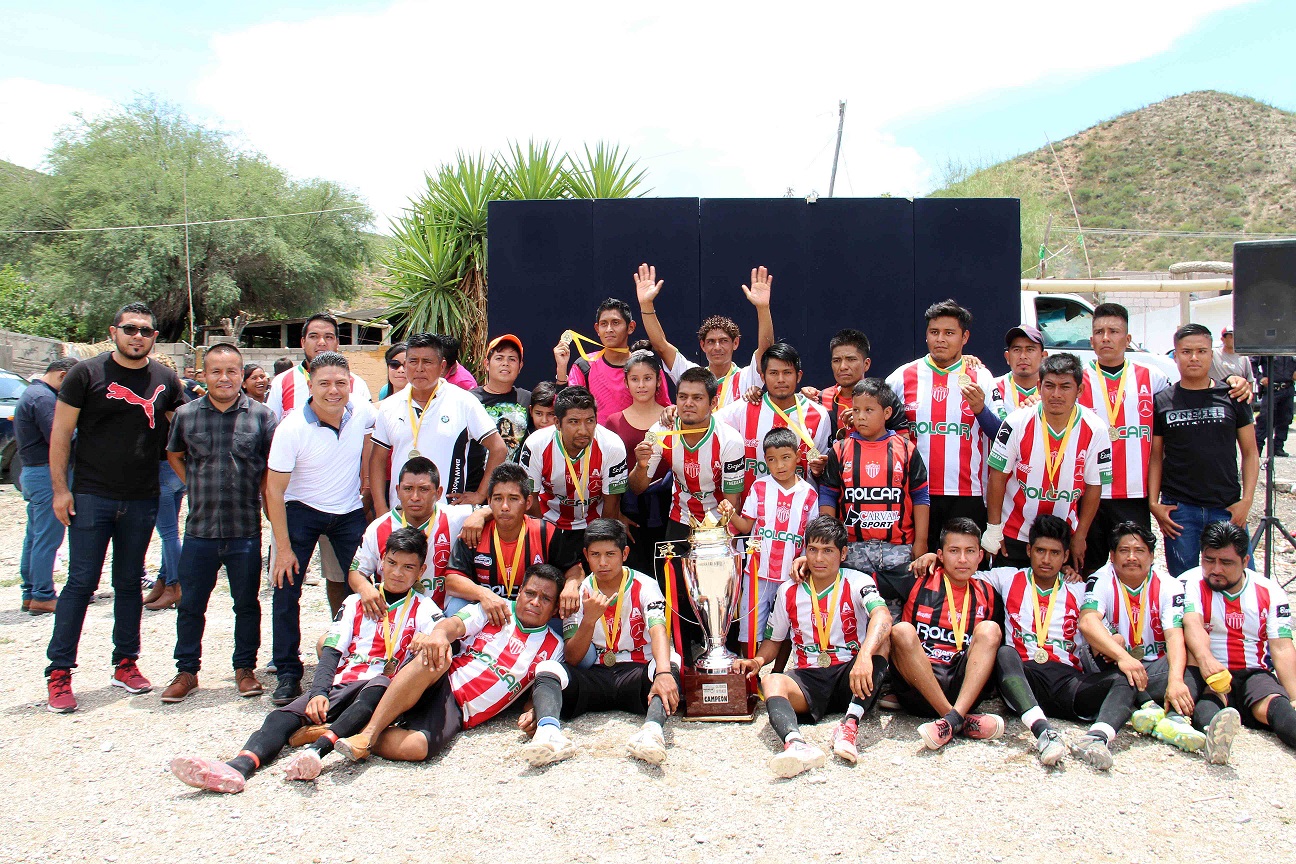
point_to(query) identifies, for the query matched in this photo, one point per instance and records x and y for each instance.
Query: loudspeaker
(1264, 297)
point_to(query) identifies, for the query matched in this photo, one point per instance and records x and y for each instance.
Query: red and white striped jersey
(290, 390)
(1063, 638)
(703, 473)
(644, 607)
(752, 420)
(542, 457)
(1020, 451)
(737, 381)
(1158, 605)
(497, 663)
(441, 530)
(359, 638)
(1240, 624)
(1131, 435)
(1007, 397)
(793, 618)
(781, 517)
(952, 443)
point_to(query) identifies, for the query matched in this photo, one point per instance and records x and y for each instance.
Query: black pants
(1013, 553)
(1282, 417)
(1112, 512)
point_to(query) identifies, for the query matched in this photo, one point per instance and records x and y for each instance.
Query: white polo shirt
(454, 419)
(324, 463)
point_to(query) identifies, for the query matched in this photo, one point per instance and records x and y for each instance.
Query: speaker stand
(1270, 523)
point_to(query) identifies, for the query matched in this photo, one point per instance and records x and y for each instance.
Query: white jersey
(953, 445)
(441, 530)
(702, 473)
(1158, 606)
(1131, 429)
(497, 664)
(359, 638)
(641, 608)
(1007, 397)
(733, 384)
(1240, 624)
(602, 465)
(781, 517)
(1063, 638)
(291, 388)
(1021, 451)
(754, 420)
(793, 618)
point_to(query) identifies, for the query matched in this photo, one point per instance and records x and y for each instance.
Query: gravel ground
(94, 785)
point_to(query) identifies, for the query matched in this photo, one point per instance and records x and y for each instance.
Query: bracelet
(659, 674)
(646, 312)
(560, 380)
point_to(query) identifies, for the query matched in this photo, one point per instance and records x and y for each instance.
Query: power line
(1136, 232)
(176, 224)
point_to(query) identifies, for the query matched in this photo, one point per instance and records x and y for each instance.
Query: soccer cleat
(647, 745)
(982, 727)
(61, 700)
(306, 765)
(306, 735)
(843, 741)
(356, 748)
(127, 676)
(1094, 750)
(936, 734)
(1049, 748)
(207, 774)
(1176, 730)
(1220, 733)
(797, 756)
(1145, 719)
(547, 746)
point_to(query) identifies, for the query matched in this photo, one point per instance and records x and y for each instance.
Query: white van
(1066, 322)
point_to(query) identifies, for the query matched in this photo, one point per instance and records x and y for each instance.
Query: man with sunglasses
(119, 404)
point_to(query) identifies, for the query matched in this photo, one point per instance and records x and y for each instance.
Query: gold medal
(824, 661)
(389, 668)
(1113, 432)
(812, 454)
(651, 437)
(1041, 656)
(414, 454)
(964, 379)
(609, 658)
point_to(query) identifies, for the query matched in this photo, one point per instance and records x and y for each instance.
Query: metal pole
(184, 181)
(841, 121)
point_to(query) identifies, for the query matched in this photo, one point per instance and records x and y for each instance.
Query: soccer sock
(352, 720)
(955, 719)
(1117, 706)
(656, 711)
(782, 717)
(855, 710)
(266, 742)
(859, 707)
(1035, 720)
(1204, 712)
(1102, 731)
(1282, 719)
(546, 699)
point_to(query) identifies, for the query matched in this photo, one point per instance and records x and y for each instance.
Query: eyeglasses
(395, 364)
(133, 330)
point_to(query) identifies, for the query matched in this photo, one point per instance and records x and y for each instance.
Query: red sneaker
(127, 676)
(982, 727)
(61, 700)
(936, 734)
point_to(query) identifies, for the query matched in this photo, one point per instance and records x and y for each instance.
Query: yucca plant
(607, 172)
(426, 272)
(538, 173)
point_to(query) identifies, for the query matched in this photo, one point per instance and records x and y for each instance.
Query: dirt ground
(94, 785)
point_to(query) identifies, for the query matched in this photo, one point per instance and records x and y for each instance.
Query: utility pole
(841, 121)
(184, 181)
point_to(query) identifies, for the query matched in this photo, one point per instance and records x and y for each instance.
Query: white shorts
(767, 592)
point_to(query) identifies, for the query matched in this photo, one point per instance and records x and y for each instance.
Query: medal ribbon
(508, 574)
(1017, 394)
(958, 623)
(1112, 402)
(956, 368)
(823, 624)
(579, 480)
(723, 388)
(1135, 617)
(612, 627)
(416, 422)
(793, 425)
(571, 336)
(1042, 627)
(389, 644)
(426, 527)
(1053, 458)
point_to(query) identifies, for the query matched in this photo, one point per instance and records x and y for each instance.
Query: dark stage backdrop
(870, 263)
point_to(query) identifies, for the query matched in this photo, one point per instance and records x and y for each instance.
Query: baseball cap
(1226, 331)
(1026, 330)
(499, 340)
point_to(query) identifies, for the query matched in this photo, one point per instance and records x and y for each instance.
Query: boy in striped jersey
(355, 667)
(441, 692)
(1239, 631)
(620, 626)
(837, 624)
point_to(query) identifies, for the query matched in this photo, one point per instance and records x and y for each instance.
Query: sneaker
(982, 727)
(547, 746)
(647, 745)
(356, 748)
(1093, 750)
(306, 765)
(1220, 733)
(289, 688)
(1176, 730)
(61, 700)
(308, 734)
(843, 741)
(797, 756)
(936, 734)
(127, 676)
(1049, 748)
(1145, 719)
(272, 668)
(207, 774)
(889, 703)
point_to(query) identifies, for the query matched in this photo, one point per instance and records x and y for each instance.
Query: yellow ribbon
(508, 574)
(1041, 632)
(613, 631)
(1053, 458)
(1017, 395)
(655, 436)
(426, 527)
(823, 624)
(959, 622)
(1111, 403)
(580, 480)
(1135, 621)
(812, 452)
(416, 418)
(389, 646)
(571, 336)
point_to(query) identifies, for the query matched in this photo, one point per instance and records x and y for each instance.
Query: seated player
(440, 692)
(1238, 628)
(838, 626)
(944, 645)
(621, 622)
(355, 667)
(1132, 620)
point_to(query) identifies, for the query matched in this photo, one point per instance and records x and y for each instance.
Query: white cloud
(31, 113)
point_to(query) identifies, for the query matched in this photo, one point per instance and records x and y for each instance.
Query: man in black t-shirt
(1197, 432)
(118, 404)
(507, 405)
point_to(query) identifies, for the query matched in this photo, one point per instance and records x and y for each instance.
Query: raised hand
(647, 286)
(759, 292)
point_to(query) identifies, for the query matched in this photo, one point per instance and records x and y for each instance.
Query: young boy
(776, 512)
(359, 658)
(621, 626)
(875, 482)
(541, 409)
(838, 626)
(603, 374)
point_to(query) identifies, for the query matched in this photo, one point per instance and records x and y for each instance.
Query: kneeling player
(838, 625)
(943, 647)
(355, 665)
(622, 616)
(440, 693)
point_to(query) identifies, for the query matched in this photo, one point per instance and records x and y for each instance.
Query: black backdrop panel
(970, 249)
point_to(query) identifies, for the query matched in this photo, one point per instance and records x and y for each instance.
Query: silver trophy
(713, 576)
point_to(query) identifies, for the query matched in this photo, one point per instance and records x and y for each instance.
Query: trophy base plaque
(723, 697)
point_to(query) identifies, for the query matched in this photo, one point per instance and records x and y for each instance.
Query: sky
(716, 99)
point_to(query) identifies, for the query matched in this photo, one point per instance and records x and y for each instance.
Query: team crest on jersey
(872, 469)
(1234, 620)
(692, 470)
(939, 393)
(516, 645)
(847, 465)
(783, 512)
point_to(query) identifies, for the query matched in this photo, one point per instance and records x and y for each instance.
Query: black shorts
(1012, 553)
(1250, 687)
(827, 691)
(1066, 693)
(950, 678)
(436, 714)
(623, 687)
(568, 544)
(340, 697)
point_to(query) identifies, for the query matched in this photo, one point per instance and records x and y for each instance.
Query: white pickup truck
(1066, 321)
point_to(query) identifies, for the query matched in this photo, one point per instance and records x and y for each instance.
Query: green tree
(23, 309)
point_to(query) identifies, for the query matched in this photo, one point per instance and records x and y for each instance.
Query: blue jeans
(200, 562)
(44, 534)
(1184, 552)
(305, 525)
(128, 525)
(168, 522)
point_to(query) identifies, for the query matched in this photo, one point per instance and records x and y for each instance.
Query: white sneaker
(549, 745)
(797, 756)
(647, 745)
